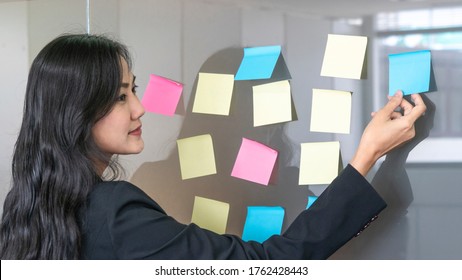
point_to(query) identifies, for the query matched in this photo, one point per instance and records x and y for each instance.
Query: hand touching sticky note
(210, 214)
(331, 111)
(213, 94)
(272, 103)
(197, 157)
(255, 162)
(258, 63)
(319, 162)
(409, 72)
(162, 95)
(262, 222)
(344, 56)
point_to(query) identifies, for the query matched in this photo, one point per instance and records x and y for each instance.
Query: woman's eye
(122, 97)
(134, 88)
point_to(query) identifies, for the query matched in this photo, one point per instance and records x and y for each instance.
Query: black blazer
(121, 222)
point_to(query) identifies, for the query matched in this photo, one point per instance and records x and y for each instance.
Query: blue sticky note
(258, 63)
(409, 72)
(262, 222)
(311, 200)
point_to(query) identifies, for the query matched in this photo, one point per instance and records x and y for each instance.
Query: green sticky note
(210, 214)
(197, 157)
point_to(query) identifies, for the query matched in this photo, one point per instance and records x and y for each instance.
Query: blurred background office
(173, 38)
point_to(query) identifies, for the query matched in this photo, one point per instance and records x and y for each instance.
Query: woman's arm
(122, 222)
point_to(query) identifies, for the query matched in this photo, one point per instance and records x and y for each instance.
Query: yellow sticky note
(272, 103)
(197, 157)
(319, 162)
(210, 214)
(344, 56)
(331, 111)
(213, 94)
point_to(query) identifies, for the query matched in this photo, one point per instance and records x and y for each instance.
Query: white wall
(13, 75)
(25, 27)
(50, 18)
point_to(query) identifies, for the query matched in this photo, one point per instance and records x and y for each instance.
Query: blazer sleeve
(139, 229)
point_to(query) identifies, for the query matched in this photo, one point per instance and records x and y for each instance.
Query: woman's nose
(137, 108)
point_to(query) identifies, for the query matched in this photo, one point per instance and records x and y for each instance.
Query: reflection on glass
(438, 30)
(420, 19)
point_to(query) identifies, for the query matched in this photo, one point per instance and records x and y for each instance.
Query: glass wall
(438, 30)
(179, 38)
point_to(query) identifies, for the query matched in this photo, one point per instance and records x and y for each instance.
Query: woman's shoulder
(112, 196)
(113, 191)
(115, 186)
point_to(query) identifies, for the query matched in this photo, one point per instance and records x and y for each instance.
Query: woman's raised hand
(387, 129)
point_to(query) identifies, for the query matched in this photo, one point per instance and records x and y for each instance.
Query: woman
(81, 109)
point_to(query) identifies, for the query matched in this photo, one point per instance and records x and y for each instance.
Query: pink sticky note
(254, 162)
(162, 95)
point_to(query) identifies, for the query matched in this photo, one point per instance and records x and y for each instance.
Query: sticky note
(197, 157)
(162, 95)
(344, 56)
(331, 111)
(258, 63)
(272, 103)
(262, 222)
(213, 94)
(311, 200)
(319, 162)
(409, 72)
(210, 214)
(254, 162)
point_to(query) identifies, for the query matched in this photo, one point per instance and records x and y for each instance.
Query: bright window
(438, 30)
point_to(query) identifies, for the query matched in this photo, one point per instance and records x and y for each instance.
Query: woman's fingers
(397, 101)
(395, 115)
(419, 108)
(393, 103)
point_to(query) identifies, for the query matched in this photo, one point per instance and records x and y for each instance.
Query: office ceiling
(331, 8)
(343, 8)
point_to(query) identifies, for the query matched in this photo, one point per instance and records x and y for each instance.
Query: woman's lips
(136, 132)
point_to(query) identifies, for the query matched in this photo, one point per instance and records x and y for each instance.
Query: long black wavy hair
(73, 82)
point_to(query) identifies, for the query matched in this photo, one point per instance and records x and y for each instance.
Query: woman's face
(119, 132)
